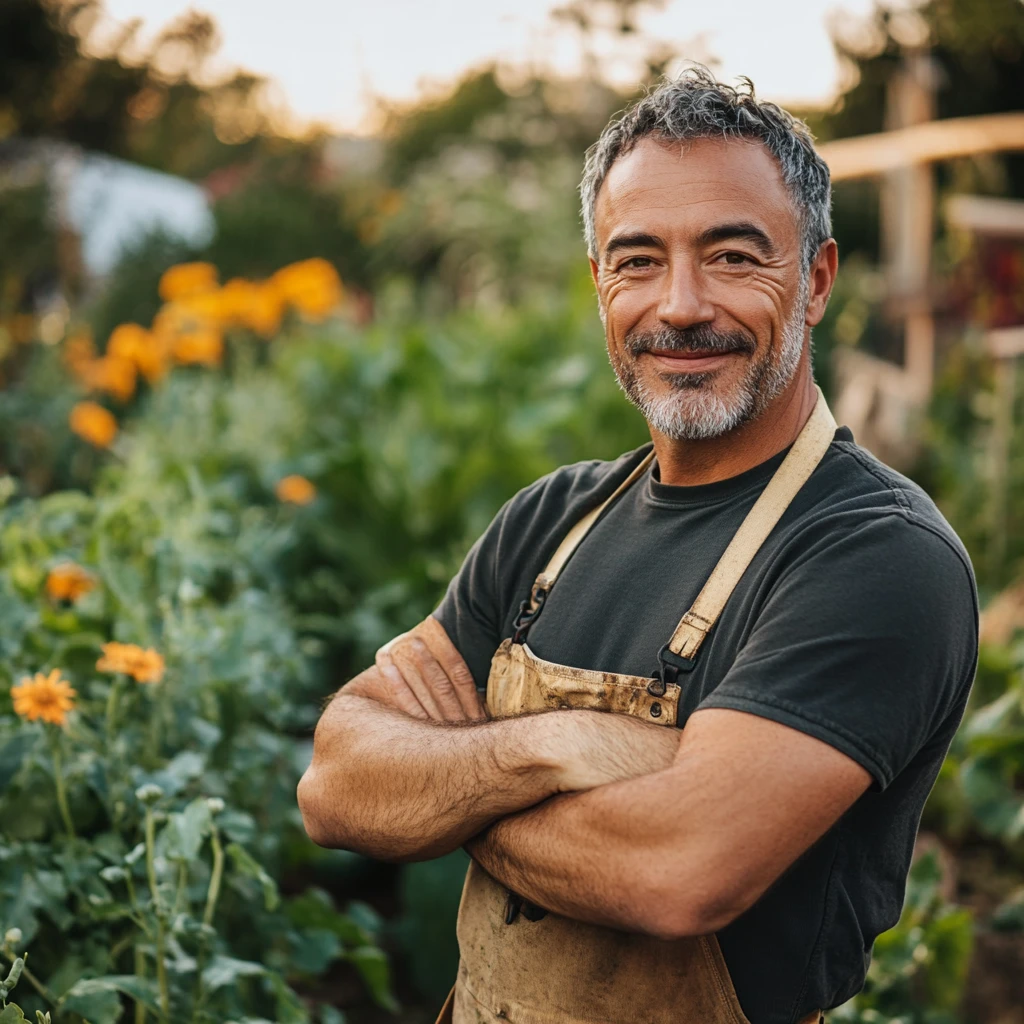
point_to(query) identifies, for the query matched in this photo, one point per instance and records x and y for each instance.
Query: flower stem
(158, 910)
(215, 876)
(58, 778)
(34, 981)
(180, 896)
(212, 893)
(140, 972)
(112, 701)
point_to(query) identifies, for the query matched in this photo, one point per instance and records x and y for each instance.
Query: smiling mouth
(690, 362)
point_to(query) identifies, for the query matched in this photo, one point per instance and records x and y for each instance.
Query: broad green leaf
(247, 865)
(372, 965)
(224, 970)
(314, 948)
(99, 999)
(183, 835)
(11, 1014)
(12, 755)
(989, 794)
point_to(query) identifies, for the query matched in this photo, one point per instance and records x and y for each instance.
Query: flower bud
(12, 936)
(149, 793)
(215, 804)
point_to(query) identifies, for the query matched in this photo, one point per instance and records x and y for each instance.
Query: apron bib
(521, 964)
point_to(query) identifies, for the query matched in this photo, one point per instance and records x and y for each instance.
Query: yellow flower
(311, 286)
(145, 666)
(204, 345)
(93, 423)
(111, 375)
(47, 697)
(187, 279)
(68, 582)
(296, 490)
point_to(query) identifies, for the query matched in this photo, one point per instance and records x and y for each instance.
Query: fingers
(454, 666)
(386, 687)
(427, 679)
(435, 674)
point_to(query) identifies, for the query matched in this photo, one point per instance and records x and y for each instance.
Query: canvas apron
(523, 965)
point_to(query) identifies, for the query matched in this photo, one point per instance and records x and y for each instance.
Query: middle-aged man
(728, 841)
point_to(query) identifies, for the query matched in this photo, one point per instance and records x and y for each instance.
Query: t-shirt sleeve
(471, 610)
(868, 642)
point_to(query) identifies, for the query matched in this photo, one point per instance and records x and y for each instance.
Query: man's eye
(735, 258)
(637, 262)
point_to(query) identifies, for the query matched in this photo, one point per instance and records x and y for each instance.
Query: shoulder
(567, 493)
(869, 537)
(854, 492)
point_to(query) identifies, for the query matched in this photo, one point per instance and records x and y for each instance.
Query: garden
(232, 473)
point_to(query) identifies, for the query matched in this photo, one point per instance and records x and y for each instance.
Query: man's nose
(684, 301)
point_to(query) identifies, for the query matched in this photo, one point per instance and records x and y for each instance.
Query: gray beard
(694, 410)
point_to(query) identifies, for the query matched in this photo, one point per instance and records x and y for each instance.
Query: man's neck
(692, 463)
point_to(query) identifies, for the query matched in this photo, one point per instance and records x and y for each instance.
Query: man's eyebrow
(740, 229)
(635, 240)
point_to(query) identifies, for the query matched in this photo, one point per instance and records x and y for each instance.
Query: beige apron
(519, 963)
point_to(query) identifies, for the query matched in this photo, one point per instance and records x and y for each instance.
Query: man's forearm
(590, 856)
(396, 787)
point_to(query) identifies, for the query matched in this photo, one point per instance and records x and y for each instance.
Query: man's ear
(821, 278)
(596, 274)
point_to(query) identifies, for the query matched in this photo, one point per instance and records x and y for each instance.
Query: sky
(330, 58)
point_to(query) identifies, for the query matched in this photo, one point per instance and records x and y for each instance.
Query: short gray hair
(697, 106)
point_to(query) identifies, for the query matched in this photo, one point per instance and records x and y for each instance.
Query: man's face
(699, 281)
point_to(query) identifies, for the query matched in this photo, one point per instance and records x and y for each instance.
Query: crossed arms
(598, 817)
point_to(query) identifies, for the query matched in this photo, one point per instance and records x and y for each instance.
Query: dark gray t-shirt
(856, 623)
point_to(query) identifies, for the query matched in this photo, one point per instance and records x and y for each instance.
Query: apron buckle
(528, 611)
(670, 665)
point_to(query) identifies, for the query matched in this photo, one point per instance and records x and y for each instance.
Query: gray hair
(697, 106)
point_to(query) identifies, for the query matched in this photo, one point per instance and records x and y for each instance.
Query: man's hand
(426, 677)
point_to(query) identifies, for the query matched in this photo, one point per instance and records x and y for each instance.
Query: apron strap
(681, 650)
(801, 461)
(572, 540)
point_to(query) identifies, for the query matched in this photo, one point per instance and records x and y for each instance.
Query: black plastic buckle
(524, 620)
(670, 665)
(516, 905)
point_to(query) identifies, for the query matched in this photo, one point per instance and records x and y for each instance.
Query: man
(737, 864)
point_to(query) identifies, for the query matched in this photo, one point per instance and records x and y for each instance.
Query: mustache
(699, 338)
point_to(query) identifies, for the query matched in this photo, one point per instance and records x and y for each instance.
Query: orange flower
(112, 375)
(311, 286)
(187, 279)
(145, 666)
(205, 345)
(142, 348)
(205, 310)
(68, 582)
(47, 697)
(93, 423)
(296, 490)
(259, 306)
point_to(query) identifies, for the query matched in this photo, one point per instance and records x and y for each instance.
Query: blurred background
(292, 298)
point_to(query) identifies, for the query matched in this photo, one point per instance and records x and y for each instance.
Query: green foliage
(158, 885)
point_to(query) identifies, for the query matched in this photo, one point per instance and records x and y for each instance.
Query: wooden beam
(867, 155)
